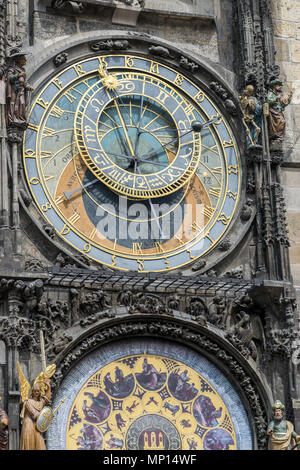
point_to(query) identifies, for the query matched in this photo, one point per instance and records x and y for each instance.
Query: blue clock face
(132, 163)
(150, 130)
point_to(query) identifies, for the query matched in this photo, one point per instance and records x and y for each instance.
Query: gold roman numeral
(74, 218)
(33, 127)
(159, 247)
(137, 248)
(208, 211)
(56, 112)
(48, 131)
(59, 199)
(217, 170)
(215, 192)
(45, 154)
(180, 241)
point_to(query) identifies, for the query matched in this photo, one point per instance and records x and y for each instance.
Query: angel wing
(24, 384)
(50, 370)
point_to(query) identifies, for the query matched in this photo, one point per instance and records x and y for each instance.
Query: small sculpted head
(249, 90)
(21, 60)
(36, 392)
(278, 409)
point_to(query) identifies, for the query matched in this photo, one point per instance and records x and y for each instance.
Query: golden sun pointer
(109, 81)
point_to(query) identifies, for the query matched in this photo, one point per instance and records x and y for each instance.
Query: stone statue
(281, 432)
(4, 429)
(16, 92)
(34, 401)
(277, 103)
(252, 115)
(2, 85)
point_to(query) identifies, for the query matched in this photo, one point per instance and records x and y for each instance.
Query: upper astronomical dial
(137, 139)
(93, 140)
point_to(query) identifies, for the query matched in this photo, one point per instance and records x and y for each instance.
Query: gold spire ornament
(109, 81)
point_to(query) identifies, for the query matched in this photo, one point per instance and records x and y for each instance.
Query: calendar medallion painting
(149, 402)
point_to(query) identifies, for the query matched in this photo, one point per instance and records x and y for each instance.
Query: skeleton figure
(252, 112)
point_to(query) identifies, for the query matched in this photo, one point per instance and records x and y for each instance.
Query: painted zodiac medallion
(149, 402)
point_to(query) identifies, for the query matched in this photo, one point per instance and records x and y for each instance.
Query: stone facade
(286, 16)
(236, 306)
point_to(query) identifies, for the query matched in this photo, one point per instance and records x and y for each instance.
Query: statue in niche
(277, 103)
(280, 431)
(2, 85)
(16, 92)
(4, 429)
(252, 115)
(34, 401)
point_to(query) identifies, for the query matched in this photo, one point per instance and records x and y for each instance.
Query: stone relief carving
(118, 45)
(244, 328)
(50, 230)
(197, 309)
(76, 6)
(217, 312)
(58, 345)
(94, 302)
(247, 209)
(148, 303)
(34, 265)
(188, 65)
(224, 95)
(160, 51)
(236, 273)
(60, 59)
(225, 245)
(132, 3)
(199, 265)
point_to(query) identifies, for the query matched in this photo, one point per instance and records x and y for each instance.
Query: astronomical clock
(144, 248)
(132, 163)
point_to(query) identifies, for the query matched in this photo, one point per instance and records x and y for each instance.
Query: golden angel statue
(34, 400)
